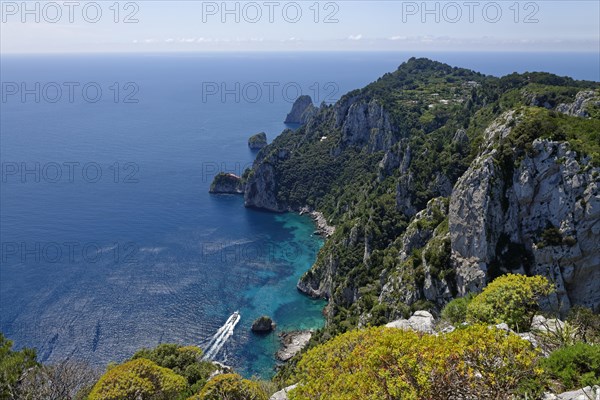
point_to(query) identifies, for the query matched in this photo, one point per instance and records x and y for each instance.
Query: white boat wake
(218, 340)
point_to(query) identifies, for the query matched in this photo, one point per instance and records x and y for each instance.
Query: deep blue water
(97, 266)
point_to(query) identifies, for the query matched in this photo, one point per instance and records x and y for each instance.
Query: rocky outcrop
(587, 393)
(364, 122)
(579, 108)
(283, 393)
(292, 343)
(258, 141)
(263, 324)
(323, 227)
(226, 183)
(302, 110)
(421, 321)
(498, 220)
(261, 185)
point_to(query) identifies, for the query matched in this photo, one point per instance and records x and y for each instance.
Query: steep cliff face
(365, 123)
(424, 244)
(302, 110)
(543, 217)
(260, 190)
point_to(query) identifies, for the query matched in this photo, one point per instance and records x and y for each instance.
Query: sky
(179, 26)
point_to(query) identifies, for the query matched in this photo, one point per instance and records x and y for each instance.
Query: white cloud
(355, 37)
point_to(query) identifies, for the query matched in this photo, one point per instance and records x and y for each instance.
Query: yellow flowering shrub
(139, 379)
(230, 387)
(511, 298)
(383, 363)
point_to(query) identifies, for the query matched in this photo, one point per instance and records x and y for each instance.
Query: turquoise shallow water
(157, 258)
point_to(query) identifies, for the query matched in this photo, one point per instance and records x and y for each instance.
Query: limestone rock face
(363, 123)
(421, 321)
(260, 189)
(302, 110)
(399, 287)
(292, 343)
(586, 393)
(283, 393)
(579, 107)
(226, 183)
(497, 222)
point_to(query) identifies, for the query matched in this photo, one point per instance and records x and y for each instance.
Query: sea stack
(302, 110)
(258, 141)
(226, 183)
(263, 324)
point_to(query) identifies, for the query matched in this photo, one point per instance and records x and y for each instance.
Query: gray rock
(579, 107)
(399, 324)
(542, 324)
(491, 215)
(364, 124)
(302, 110)
(292, 343)
(261, 186)
(283, 393)
(529, 337)
(503, 327)
(421, 321)
(587, 393)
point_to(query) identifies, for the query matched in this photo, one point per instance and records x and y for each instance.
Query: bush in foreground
(138, 379)
(574, 366)
(231, 387)
(455, 312)
(381, 363)
(183, 360)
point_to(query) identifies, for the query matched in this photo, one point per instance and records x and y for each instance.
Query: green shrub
(552, 236)
(575, 366)
(231, 387)
(183, 360)
(510, 298)
(12, 365)
(455, 312)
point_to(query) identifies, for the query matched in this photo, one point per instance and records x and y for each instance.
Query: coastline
(322, 226)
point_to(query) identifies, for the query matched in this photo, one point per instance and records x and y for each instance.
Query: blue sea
(110, 239)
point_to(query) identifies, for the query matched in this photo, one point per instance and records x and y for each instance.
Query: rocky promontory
(226, 183)
(292, 343)
(302, 110)
(258, 141)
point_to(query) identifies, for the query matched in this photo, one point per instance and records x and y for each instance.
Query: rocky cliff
(439, 179)
(542, 216)
(302, 110)
(226, 183)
